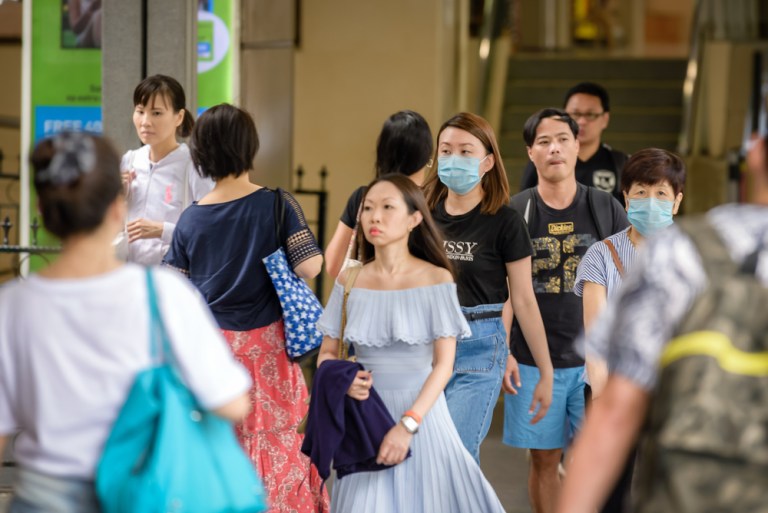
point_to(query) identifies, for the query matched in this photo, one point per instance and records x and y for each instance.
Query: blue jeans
(39, 493)
(474, 387)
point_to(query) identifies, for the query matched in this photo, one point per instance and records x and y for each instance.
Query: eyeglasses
(589, 116)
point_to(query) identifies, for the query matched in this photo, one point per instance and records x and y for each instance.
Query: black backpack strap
(600, 203)
(525, 205)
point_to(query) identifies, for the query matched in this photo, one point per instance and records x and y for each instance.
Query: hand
(144, 229)
(511, 372)
(360, 388)
(127, 178)
(542, 398)
(394, 447)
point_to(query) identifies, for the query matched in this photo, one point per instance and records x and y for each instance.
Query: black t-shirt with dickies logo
(560, 239)
(480, 245)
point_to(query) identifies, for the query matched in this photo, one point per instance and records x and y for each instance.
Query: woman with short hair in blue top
(652, 183)
(219, 242)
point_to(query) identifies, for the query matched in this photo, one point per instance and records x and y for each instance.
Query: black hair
(404, 145)
(163, 86)
(532, 124)
(224, 142)
(77, 178)
(651, 166)
(592, 89)
(426, 240)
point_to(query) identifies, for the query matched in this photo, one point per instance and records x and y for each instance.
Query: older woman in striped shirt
(652, 183)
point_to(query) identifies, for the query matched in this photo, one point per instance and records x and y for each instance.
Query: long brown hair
(426, 240)
(495, 183)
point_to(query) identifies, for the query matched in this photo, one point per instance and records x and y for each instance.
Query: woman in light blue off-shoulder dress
(403, 317)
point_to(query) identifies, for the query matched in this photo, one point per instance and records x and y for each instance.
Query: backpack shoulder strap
(600, 207)
(525, 205)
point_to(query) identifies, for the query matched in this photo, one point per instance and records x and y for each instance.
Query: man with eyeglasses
(598, 164)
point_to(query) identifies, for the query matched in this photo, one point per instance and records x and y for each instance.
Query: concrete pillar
(266, 90)
(141, 38)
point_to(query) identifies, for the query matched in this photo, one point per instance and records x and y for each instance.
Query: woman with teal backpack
(74, 336)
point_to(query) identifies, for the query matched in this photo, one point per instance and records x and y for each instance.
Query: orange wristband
(415, 416)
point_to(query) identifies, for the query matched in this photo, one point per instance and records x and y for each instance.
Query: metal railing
(321, 214)
(9, 216)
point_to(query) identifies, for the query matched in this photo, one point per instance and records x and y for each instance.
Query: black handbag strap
(279, 217)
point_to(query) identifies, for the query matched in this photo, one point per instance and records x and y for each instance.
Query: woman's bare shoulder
(437, 275)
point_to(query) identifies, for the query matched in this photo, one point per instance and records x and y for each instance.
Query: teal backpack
(167, 454)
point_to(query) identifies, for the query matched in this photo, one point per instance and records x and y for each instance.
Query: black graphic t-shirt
(599, 172)
(560, 239)
(480, 245)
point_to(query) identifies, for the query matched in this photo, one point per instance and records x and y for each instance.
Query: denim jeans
(39, 493)
(474, 387)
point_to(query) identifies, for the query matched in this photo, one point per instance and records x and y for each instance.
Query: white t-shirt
(70, 351)
(160, 192)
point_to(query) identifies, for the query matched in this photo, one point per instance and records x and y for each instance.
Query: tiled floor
(506, 468)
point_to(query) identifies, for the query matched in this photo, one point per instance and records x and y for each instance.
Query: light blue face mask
(459, 174)
(650, 215)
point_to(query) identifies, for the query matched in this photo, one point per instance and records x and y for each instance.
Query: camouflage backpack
(706, 443)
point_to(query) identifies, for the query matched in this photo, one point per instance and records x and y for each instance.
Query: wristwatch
(410, 424)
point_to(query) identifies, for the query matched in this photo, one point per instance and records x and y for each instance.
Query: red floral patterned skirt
(268, 433)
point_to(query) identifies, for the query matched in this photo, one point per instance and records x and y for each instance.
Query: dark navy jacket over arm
(341, 429)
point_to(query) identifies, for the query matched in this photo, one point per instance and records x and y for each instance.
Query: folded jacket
(341, 429)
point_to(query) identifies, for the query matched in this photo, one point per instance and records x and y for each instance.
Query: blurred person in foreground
(685, 345)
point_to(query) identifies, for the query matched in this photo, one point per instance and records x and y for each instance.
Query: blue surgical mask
(650, 215)
(460, 174)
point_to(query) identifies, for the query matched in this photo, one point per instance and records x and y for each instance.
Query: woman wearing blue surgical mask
(489, 246)
(652, 182)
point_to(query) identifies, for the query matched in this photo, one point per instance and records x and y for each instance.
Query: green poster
(66, 74)
(215, 68)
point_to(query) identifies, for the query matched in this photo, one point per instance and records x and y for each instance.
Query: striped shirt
(598, 266)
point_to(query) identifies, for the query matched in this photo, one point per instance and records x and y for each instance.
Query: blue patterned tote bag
(167, 454)
(301, 308)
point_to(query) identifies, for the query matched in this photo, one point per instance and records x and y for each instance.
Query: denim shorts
(40, 493)
(564, 416)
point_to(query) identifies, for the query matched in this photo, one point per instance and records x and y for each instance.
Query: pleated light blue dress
(393, 332)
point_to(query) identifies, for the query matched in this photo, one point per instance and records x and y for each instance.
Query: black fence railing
(10, 215)
(321, 214)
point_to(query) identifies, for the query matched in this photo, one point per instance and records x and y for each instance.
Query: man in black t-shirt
(598, 164)
(564, 218)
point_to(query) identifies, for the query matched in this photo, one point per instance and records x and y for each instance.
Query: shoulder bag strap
(615, 255)
(352, 273)
(279, 216)
(352, 253)
(159, 347)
